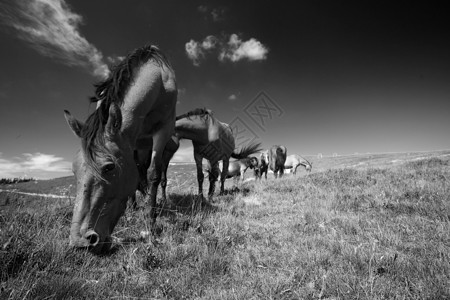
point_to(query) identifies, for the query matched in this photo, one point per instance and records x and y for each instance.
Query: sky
(329, 77)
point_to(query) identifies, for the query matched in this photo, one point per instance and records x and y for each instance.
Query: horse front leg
(160, 140)
(200, 177)
(256, 173)
(155, 179)
(281, 172)
(243, 173)
(223, 175)
(213, 176)
(143, 159)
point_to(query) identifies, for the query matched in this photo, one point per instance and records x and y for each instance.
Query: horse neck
(138, 101)
(303, 161)
(244, 161)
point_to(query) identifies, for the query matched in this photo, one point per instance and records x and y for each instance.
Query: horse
(295, 160)
(237, 167)
(212, 140)
(262, 165)
(276, 157)
(135, 116)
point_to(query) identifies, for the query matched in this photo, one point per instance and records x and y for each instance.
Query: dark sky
(325, 76)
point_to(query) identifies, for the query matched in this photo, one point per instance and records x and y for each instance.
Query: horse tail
(247, 151)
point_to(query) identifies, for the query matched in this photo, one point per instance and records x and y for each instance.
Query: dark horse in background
(276, 157)
(262, 166)
(135, 116)
(212, 140)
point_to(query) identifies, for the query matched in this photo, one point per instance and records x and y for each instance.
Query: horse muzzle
(92, 241)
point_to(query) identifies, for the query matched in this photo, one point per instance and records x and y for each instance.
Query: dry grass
(344, 233)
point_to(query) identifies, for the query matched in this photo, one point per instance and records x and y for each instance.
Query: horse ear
(74, 124)
(114, 120)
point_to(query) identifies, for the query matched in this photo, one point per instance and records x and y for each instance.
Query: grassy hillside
(362, 228)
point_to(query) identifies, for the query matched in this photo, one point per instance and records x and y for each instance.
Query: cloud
(216, 14)
(36, 165)
(232, 97)
(202, 8)
(194, 52)
(210, 42)
(238, 50)
(232, 49)
(52, 29)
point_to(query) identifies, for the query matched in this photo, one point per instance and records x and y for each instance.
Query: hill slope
(341, 233)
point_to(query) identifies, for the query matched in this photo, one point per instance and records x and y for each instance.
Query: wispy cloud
(232, 97)
(217, 14)
(196, 51)
(36, 165)
(231, 49)
(52, 28)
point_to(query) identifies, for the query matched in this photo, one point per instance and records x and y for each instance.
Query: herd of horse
(260, 164)
(130, 138)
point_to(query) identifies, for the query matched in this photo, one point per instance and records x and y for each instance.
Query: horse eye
(108, 168)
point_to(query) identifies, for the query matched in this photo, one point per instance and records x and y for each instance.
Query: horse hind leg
(167, 156)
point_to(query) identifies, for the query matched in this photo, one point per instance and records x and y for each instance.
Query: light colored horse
(295, 160)
(276, 157)
(135, 116)
(212, 140)
(237, 167)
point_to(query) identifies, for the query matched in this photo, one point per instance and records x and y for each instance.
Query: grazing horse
(295, 160)
(135, 115)
(237, 167)
(276, 157)
(212, 140)
(262, 165)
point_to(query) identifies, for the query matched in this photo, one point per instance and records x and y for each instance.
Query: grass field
(358, 227)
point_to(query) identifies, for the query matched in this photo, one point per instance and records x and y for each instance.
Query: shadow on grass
(236, 190)
(187, 204)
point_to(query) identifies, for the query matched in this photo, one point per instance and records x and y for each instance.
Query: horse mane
(202, 112)
(112, 90)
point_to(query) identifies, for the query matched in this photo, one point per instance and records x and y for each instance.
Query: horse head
(106, 176)
(253, 162)
(265, 156)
